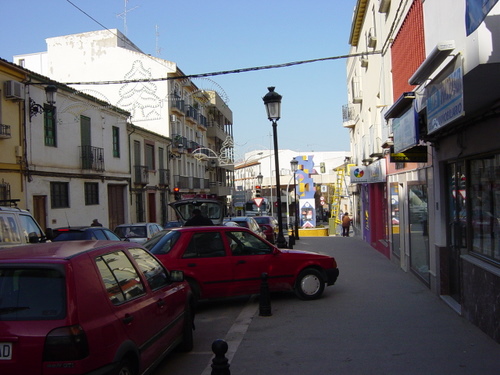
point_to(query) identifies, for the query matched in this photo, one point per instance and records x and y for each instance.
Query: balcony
(217, 188)
(214, 130)
(5, 131)
(349, 116)
(141, 175)
(191, 113)
(164, 178)
(92, 158)
(177, 104)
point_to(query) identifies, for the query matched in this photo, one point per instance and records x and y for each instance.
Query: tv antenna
(123, 15)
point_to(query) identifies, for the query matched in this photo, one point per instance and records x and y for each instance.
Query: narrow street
(376, 320)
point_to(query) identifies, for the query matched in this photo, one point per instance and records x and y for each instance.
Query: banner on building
(475, 13)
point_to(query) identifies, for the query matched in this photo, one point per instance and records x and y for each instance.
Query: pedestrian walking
(346, 224)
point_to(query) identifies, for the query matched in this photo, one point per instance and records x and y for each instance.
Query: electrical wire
(242, 70)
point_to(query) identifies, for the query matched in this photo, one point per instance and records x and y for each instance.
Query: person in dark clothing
(198, 219)
(346, 223)
(95, 223)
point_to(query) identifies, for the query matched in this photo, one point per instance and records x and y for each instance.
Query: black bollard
(265, 298)
(291, 241)
(220, 364)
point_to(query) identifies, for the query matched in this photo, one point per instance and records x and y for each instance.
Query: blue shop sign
(405, 130)
(445, 102)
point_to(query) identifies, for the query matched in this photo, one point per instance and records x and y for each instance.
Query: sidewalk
(377, 319)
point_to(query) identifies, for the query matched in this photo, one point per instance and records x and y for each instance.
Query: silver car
(138, 232)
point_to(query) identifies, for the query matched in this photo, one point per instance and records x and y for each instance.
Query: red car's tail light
(65, 344)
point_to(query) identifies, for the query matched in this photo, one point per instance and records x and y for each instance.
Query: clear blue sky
(206, 36)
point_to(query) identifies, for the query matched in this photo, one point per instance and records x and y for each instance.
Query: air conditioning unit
(173, 118)
(384, 6)
(13, 90)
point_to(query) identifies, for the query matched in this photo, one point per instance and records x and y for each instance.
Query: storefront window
(396, 243)
(485, 206)
(419, 232)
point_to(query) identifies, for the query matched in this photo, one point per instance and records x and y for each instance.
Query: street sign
(258, 201)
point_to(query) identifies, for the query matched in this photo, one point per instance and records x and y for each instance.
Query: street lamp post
(294, 164)
(272, 101)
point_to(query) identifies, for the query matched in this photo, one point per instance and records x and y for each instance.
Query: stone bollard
(264, 298)
(220, 364)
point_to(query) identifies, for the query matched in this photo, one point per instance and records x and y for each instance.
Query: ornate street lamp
(294, 165)
(35, 108)
(272, 101)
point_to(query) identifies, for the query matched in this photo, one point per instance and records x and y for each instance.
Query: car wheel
(310, 284)
(187, 343)
(126, 367)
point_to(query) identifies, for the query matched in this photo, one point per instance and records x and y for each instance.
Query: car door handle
(160, 303)
(128, 319)
(191, 264)
(241, 261)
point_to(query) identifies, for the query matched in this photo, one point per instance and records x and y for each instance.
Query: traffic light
(177, 193)
(257, 191)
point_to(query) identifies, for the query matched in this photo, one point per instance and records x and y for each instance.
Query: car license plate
(5, 350)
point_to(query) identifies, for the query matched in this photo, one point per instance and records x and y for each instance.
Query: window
(116, 142)
(120, 277)
(243, 243)
(59, 194)
(91, 193)
(152, 270)
(205, 245)
(49, 120)
(150, 158)
(485, 206)
(32, 294)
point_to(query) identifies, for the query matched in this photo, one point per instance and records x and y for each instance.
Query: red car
(81, 307)
(269, 226)
(223, 261)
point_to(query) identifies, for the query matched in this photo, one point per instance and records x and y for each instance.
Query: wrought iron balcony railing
(92, 158)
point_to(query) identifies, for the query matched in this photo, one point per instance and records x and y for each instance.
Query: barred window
(91, 193)
(59, 194)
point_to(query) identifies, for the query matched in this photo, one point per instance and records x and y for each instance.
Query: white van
(18, 227)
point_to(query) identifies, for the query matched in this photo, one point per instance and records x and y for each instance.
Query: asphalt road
(377, 319)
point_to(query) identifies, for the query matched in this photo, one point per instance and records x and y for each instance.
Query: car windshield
(133, 231)
(31, 293)
(261, 220)
(162, 242)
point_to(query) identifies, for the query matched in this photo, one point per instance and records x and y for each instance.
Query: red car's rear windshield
(31, 293)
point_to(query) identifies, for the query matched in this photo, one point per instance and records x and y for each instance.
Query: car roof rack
(9, 202)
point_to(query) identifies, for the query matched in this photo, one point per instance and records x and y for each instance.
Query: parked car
(139, 232)
(18, 227)
(250, 223)
(224, 261)
(172, 224)
(269, 226)
(81, 233)
(86, 307)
